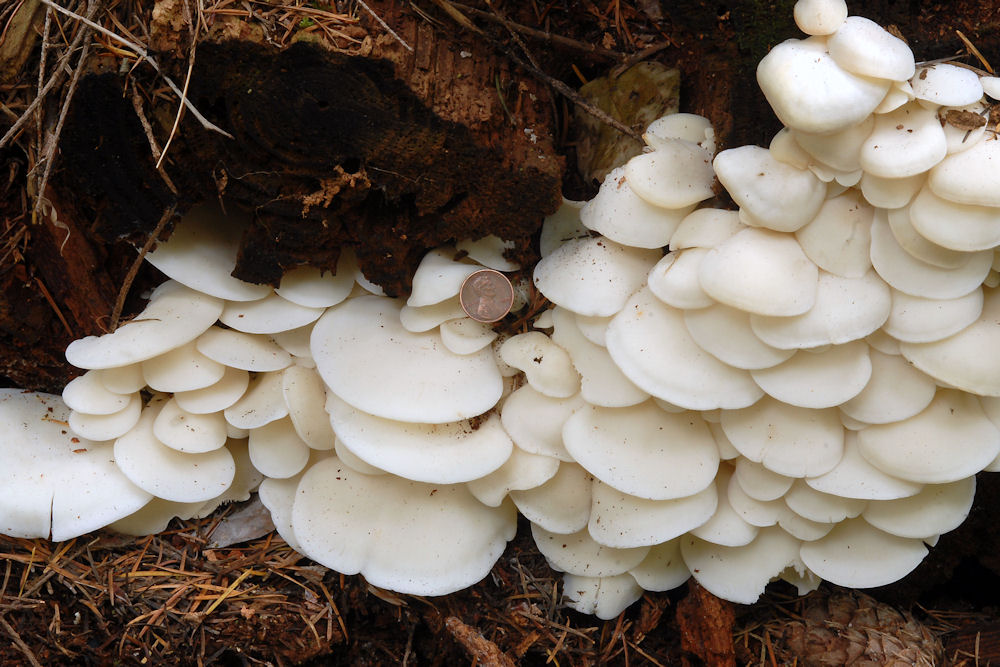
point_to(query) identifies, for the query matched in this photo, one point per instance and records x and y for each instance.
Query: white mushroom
(547, 367)
(857, 555)
(603, 597)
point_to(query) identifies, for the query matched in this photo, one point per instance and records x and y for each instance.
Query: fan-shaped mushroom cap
(593, 276)
(821, 507)
(520, 472)
(846, 309)
(438, 277)
(465, 335)
(434, 453)
(216, 397)
(601, 381)
(678, 174)
(969, 177)
(759, 482)
(642, 450)
(854, 477)
(562, 226)
(122, 379)
(547, 367)
(154, 517)
(760, 513)
(690, 127)
(968, 359)
(490, 252)
(725, 333)
(177, 315)
(579, 554)
(862, 46)
(535, 421)
(791, 441)
(314, 288)
(56, 485)
(740, 574)
(705, 228)
(189, 432)
(621, 215)
(262, 403)
(268, 315)
(810, 92)
(305, 396)
(182, 369)
(236, 349)
(913, 276)
(890, 192)
(431, 540)
(770, 193)
(896, 391)
(620, 520)
(991, 86)
(593, 328)
(857, 555)
(803, 529)
(950, 440)
(106, 427)
(168, 473)
(760, 271)
(201, 253)
(839, 237)
(947, 85)
(937, 509)
(674, 280)
(818, 379)
(960, 138)
(367, 358)
(726, 527)
(662, 569)
(839, 151)
(647, 338)
(904, 142)
(603, 597)
(963, 227)
(276, 449)
(89, 394)
(418, 319)
(560, 505)
(916, 245)
(277, 495)
(819, 17)
(914, 319)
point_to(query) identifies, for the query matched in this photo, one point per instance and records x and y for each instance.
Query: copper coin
(486, 295)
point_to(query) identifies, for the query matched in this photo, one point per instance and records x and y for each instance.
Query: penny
(486, 295)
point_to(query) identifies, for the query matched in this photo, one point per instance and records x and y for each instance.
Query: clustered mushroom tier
(802, 388)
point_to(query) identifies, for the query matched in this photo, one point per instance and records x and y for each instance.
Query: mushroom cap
(106, 427)
(726, 527)
(236, 349)
(175, 316)
(647, 338)
(621, 215)
(561, 226)
(642, 450)
(770, 193)
(185, 431)
(840, 150)
(854, 477)
(740, 574)
(896, 391)
(890, 192)
(846, 309)
(314, 288)
(88, 393)
(122, 379)
(963, 227)
(821, 507)
(276, 450)
(438, 277)
(623, 521)
(593, 276)
(839, 236)
(662, 569)
(949, 440)
(465, 335)
(759, 482)
(947, 85)
(705, 228)
(168, 473)
(760, 513)
(674, 280)
(862, 46)
(367, 358)
(603, 597)
(262, 403)
(269, 315)
(819, 17)
(182, 369)
(818, 379)
(547, 367)
(810, 92)
(936, 509)
(760, 271)
(434, 453)
(305, 396)
(578, 553)
(520, 472)
(535, 421)
(725, 333)
(57, 486)
(904, 142)
(791, 441)
(201, 253)
(687, 126)
(969, 177)
(676, 175)
(490, 252)
(918, 246)
(404, 536)
(216, 397)
(967, 360)
(914, 319)
(561, 504)
(418, 319)
(857, 555)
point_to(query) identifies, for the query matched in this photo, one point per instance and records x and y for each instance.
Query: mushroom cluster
(803, 388)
